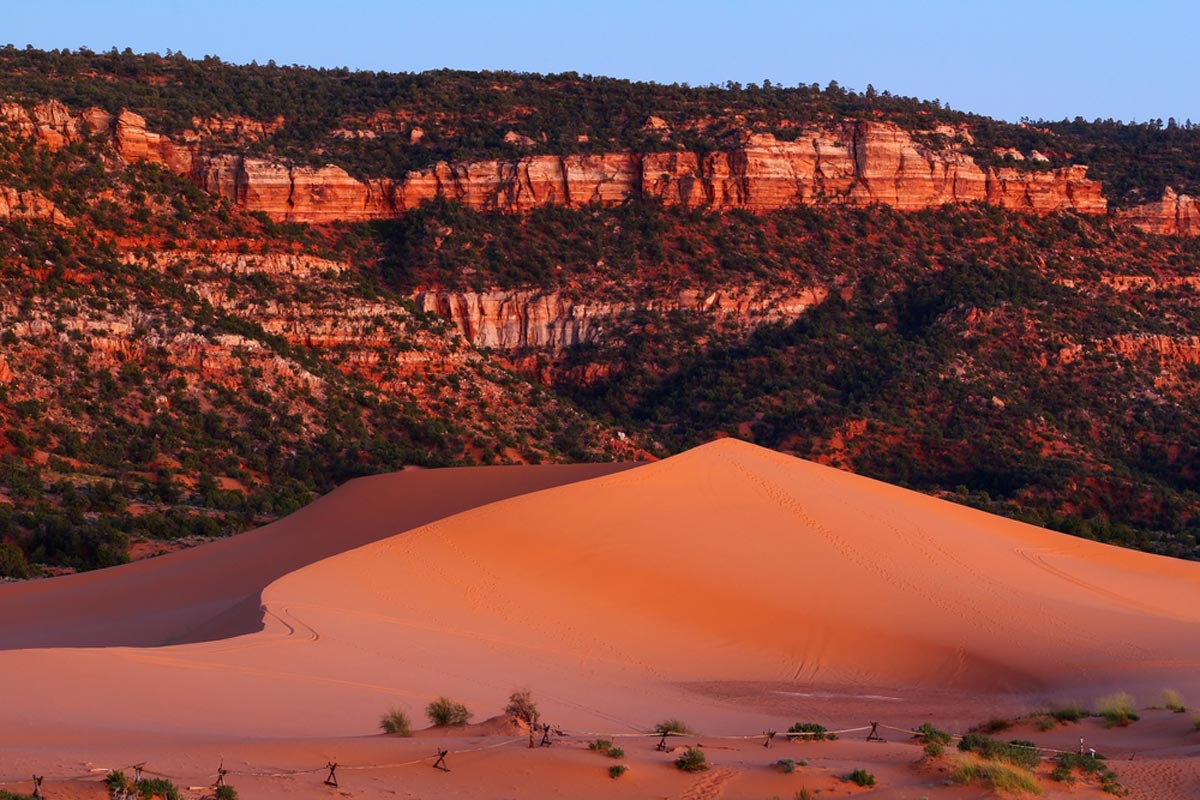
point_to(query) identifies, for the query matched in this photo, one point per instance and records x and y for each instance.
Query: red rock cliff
(855, 163)
(1173, 215)
(851, 163)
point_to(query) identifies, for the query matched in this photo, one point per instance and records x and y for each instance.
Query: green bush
(812, 732)
(1117, 710)
(1069, 714)
(927, 733)
(12, 561)
(935, 749)
(7, 795)
(1067, 764)
(616, 752)
(443, 712)
(157, 787)
(396, 722)
(692, 760)
(617, 770)
(861, 777)
(116, 782)
(788, 765)
(226, 792)
(521, 706)
(600, 744)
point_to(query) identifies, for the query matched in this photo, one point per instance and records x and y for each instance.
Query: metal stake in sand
(770, 735)
(874, 736)
(441, 761)
(662, 743)
(332, 779)
(37, 786)
(546, 742)
(137, 773)
(220, 775)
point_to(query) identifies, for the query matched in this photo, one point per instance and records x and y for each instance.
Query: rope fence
(439, 758)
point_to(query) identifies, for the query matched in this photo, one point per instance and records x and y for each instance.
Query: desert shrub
(603, 745)
(157, 787)
(927, 733)
(803, 794)
(861, 777)
(444, 711)
(1171, 700)
(521, 706)
(672, 726)
(617, 770)
(116, 782)
(811, 731)
(993, 725)
(396, 721)
(1117, 710)
(692, 760)
(1000, 777)
(616, 752)
(934, 749)
(1069, 714)
(786, 764)
(226, 792)
(1196, 722)
(7, 795)
(1067, 764)
(1018, 752)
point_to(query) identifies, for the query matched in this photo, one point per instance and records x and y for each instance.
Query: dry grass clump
(1170, 700)
(1117, 710)
(1001, 777)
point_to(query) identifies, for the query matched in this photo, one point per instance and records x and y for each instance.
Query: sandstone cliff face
(511, 320)
(290, 193)
(852, 163)
(856, 163)
(1173, 215)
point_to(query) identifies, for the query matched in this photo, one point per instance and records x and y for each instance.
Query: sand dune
(731, 568)
(212, 591)
(732, 562)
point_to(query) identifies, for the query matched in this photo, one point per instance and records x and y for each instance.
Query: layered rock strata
(849, 163)
(1173, 215)
(512, 320)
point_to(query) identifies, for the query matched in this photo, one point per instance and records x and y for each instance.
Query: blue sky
(1049, 59)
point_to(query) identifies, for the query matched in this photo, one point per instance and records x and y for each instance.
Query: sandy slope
(702, 586)
(212, 592)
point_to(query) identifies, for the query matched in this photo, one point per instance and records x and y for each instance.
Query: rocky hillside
(228, 288)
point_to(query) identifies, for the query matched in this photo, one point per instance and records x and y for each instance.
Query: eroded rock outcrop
(511, 320)
(28, 205)
(1173, 215)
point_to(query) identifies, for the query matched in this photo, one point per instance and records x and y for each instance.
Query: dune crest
(732, 562)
